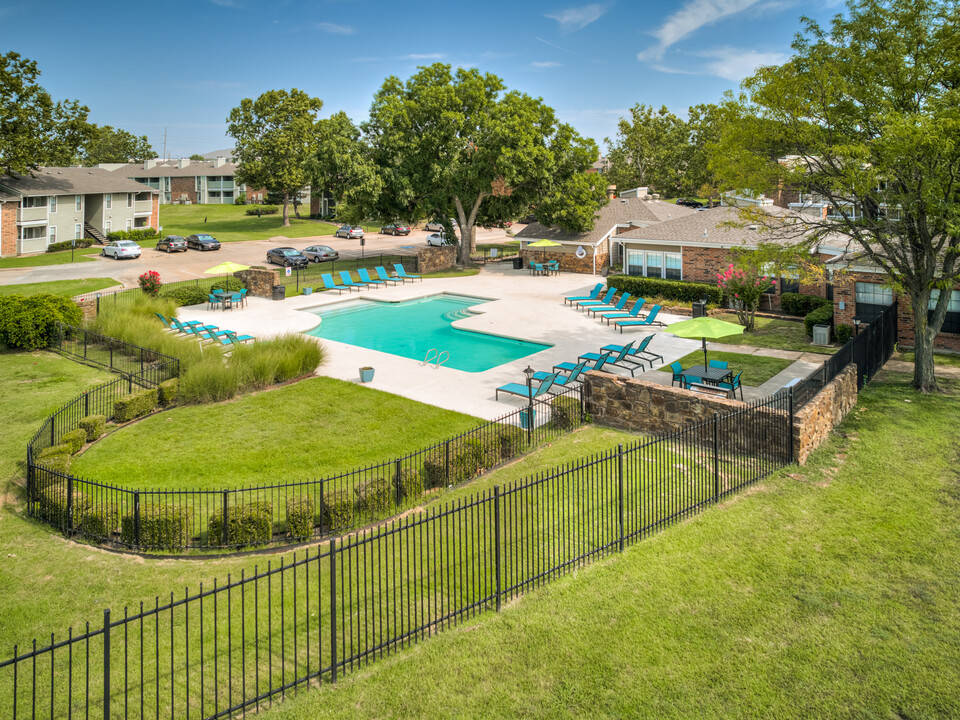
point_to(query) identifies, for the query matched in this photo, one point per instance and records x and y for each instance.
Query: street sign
(289, 271)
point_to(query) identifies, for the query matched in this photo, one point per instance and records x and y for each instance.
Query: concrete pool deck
(522, 306)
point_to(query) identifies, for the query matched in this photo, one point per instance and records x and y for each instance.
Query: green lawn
(774, 334)
(756, 369)
(68, 288)
(941, 359)
(57, 258)
(230, 223)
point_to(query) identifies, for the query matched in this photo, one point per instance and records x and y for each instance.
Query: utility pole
(164, 142)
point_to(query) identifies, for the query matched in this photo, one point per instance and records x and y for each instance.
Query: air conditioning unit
(821, 334)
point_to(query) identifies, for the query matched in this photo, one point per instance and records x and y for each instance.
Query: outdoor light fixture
(528, 373)
(856, 325)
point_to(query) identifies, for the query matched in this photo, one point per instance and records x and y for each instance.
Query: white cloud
(548, 64)
(424, 56)
(577, 18)
(735, 63)
(673, 71)
(333, 28)
(690, 18)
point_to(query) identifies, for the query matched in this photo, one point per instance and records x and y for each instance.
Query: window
(108, 201)
(33, 232)
(129, 200)
(654, 264)
(674, 269)
(871, 300)
(35, 202)
(143, 196)
(78, 203)
(129, 224)
(634, 262)
(52, 234)
(951, 323)
(53, 203)
(140, 222)
(78, 231)
(107, 227)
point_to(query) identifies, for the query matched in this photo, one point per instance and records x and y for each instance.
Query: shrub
(209, 380)
(800, 305)
(375, 498)
(247, 524)
(277, 360)
(68, 244)
(99, 522)
(843, 333)
(74, 439)
(434, 468)
(823, 315)
(262, 210)
(301, 512)
(667, 289)
(53, 452)
(411, 483)
(230, 284)
(134, 405)
(94, 426)
(240, 200)
(133, 234)
(150, 283)
(337, 509)
(163, 527)
(513, 441)
(30, 322)
(52, 503)
(186, 295)
(168, 391)
(565, 413)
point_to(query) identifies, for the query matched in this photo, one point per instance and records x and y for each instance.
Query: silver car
(348, 231)
(121, 249)
(438, 226)
(321, 253)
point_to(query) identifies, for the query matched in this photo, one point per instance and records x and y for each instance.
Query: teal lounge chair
(192, 329)
(634, 312)
(650, 319)
(620, 360)
(235, 339)
(348, 281)
(597, 364)
(621, 304)
(530, 393)
(329, 284)
(166, 323)
(384, 276)
(402, 274)
(581, 304)
(228, 337)
(639, 351)
(365, 277)
(592, 296)
(564, 381)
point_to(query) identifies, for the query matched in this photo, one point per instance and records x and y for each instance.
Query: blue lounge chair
(227, 337)
(650, 319)
(402, 274)
(620, 305)
(530, 393)
(597, 364)
(329, 284)
(384, 276)
(620, 359)
(581, 304)
(639, 351)
(733, 385)
(166, 323)
(235, 339)
(634, 312)
(193, 328)
(365, 277)
(348, 281)
(678, 376)
(592, 296)
(564, 381)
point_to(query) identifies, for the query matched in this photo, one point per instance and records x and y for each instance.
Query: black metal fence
(309, 276)
(231, 647)
(120, 298)
(870, 349)
(144, 366)
(282, 513)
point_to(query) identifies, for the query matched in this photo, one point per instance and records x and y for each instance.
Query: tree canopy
(105, 144)
(275, 136)
(459, 143)
(341, 165)
(869, 119)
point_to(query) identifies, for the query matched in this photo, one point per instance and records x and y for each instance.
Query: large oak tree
(870, 112)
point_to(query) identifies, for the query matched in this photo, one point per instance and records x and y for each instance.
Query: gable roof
(71, 181)
(169, 168)
(705, 227)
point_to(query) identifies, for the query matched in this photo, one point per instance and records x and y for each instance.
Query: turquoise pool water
(411, 328)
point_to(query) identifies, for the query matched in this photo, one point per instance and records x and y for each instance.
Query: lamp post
(856, 325)
(528, 373)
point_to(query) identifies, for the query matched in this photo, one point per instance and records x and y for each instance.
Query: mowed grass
(774, 334)
(940, 359)
(230, 223)
(57, 258)
(826, 591)
(756, 368)
(67, 288)
(306, 431)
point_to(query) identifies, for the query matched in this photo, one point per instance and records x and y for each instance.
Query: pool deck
(525, 307)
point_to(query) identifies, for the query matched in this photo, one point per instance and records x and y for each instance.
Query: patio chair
(243, 298)
(722, 364)
(608, 296)
(234, 299)
(384, 276)
(620, 305)
(553, 266)
(329, 284)
(678, 376)
(597, 364)
(564, 381)
(633, 312)
(733, 386)
(402, 274)
(620, 360)
(530, 393)
(365, 277)
(213, 299)
(650, 319)
(639, 351)
(536, 268)
(594, 294)
(348, 281)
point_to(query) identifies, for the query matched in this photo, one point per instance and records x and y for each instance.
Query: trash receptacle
(700, 309)
(518, 263)
(279, 292)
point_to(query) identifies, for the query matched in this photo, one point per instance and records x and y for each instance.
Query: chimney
(182, 163)
(220, 161)
(152, 163)
(611, 192)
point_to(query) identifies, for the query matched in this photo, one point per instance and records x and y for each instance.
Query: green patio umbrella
(544, 244)
(703, 328)
(226, 267)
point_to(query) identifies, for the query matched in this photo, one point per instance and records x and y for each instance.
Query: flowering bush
(150, 283)
(745, 287)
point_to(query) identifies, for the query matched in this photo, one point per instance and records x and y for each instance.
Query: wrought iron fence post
(396, 476)
(223, 526)
(446, 462)
(333, 610)
(790, 426)
(85, 335)
(141, 361)
(496, 538)
(716, 457)
(106, 664)
(136, 519)
(111, 355)
(86, 403)
(53, 421)
(69, 522)
(620, 493)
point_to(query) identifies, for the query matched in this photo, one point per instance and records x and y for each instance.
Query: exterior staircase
(94, 233)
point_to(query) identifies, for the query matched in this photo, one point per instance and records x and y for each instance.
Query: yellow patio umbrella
(226, 267)
(544, 244)
(703, 328)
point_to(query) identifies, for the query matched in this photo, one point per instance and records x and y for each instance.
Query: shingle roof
(706, 226)
(170, 169)
(71, 181)
(619, 211)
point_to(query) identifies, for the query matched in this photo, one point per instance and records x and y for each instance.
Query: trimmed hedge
(247, 524)
(513, 441)
(75, 439)
(29, 322)
(843, 333)
(666, 289)
(821, 316)
(565, 413)
(466, 460)
(168, 391)
(55, 457)
(374, 498)
(134, 405)
(188, 295)
(133, 234)
(337, 509)
(166, 527)
(230, 284)
(67, 244)
(52, 503)
(797, 304)
(99, 522)
(262, 210)
(301, 513)
(411, 483)
(94, 426)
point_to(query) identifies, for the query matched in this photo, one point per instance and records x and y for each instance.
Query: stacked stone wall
(259, 282)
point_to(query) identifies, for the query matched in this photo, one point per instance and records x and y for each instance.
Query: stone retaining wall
(259, 282)
(436, 259)
(814, 421)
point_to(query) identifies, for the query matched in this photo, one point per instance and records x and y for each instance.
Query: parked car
(395, 229)
(287, 256)
(349, 231)
(438, 226)
(202, 241)
(321, 253)
(172, 243)
(527, 219)
(438, 239)
(121, 249)
(689, 202)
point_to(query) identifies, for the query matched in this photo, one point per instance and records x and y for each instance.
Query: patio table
(712, 376)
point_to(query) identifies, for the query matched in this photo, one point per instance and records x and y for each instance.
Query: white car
(438, 225)
(438, 240)
(121, 249)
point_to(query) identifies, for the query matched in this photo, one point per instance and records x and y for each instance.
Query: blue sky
(182, 65)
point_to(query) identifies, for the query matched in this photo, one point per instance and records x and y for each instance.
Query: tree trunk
(286, 210)
(468, 236)
(924, 377)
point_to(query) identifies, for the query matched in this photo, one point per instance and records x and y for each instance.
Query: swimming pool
(413, 327)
